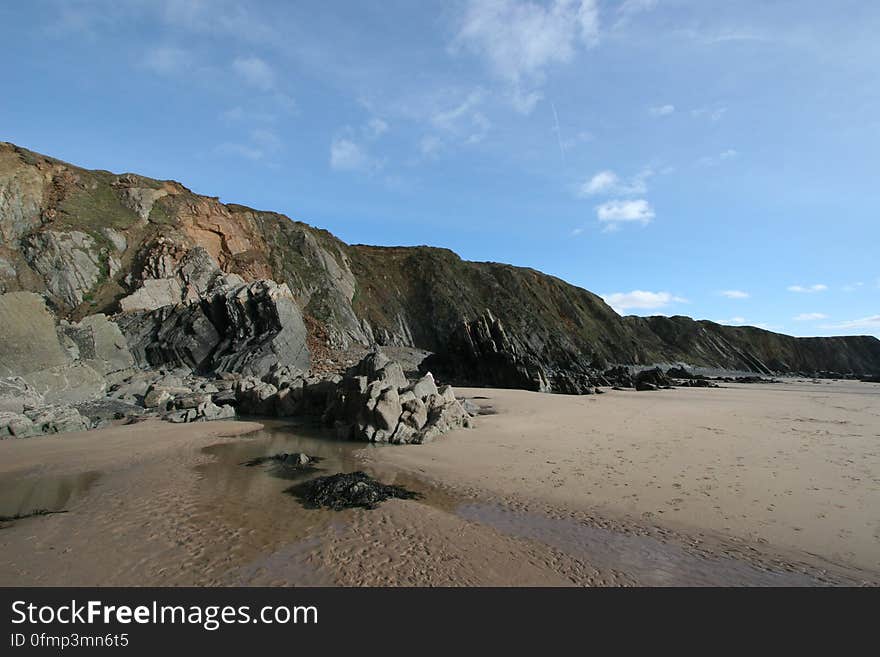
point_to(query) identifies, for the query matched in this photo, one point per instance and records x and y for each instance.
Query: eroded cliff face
(94, 242)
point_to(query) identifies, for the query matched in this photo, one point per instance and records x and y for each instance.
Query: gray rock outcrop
(250, 329)
(374, 402)
(69, 263)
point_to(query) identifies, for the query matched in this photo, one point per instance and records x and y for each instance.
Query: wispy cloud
(346, 155)
(807, 289)
(632, 7)
(608, 183)
(661, 110)
(464, 119)
(715, 160)
(376, 127)
(255, 72)
(260, 144)
(614, 213)
(809, 317)
(168, 60)
(872, 323)
(641, 300)
(715, 113)
(520, 40)
(734, 294)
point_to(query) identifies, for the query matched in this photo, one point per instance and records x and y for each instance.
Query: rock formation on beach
(122, 296)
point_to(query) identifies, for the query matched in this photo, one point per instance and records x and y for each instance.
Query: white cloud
(734, 294)
(809, 317)
(661, 110)
(614, 213)
(872, 322)
(521, 39)
(609, 183)
(854, 286)
(167, 60)
(732, 320)
(641, 299)
(601, 183)
(818, 287)
(255, 72)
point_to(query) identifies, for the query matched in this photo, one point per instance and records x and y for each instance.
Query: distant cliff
(97, 242)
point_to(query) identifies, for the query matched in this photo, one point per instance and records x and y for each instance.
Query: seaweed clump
(347, 490)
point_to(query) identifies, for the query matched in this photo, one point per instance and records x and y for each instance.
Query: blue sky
(714, 159)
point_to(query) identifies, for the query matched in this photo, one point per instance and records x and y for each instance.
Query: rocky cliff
(195, 282)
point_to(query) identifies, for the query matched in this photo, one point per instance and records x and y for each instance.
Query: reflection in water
(21, 497)
(652, 562)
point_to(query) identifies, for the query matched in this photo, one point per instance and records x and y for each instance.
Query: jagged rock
(28, 339)
(16, 394)
(107, 408)
(424, 387)
(696, 383)
(366, 406)
(175, 274)
(619, 377)
(680, 373)
(116, 238)
(98, 342)
(376, 366)
(652, 379)
(204, 412)
(67, 261)
(16, 425)
(141, 199)
(285, 376)
(347, 490)
(58, 419)
(470, 407)
(191, 400)
(255, 397)
(415, 414)
(251, 330)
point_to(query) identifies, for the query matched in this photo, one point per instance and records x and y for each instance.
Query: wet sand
(753, 485)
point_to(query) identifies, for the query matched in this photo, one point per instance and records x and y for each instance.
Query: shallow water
(20, 497)
(650, 561)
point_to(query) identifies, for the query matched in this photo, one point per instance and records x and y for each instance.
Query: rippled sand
(756, 485)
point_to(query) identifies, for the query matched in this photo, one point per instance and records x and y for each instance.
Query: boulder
(424, 386)
(97, 342)
(204, 412)
(28, 339)
(255, 397)
(367, 406)
(652, 379)
(16, 394)
(16, 425)
(58, 419)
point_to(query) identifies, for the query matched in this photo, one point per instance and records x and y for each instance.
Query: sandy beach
(747, 484)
